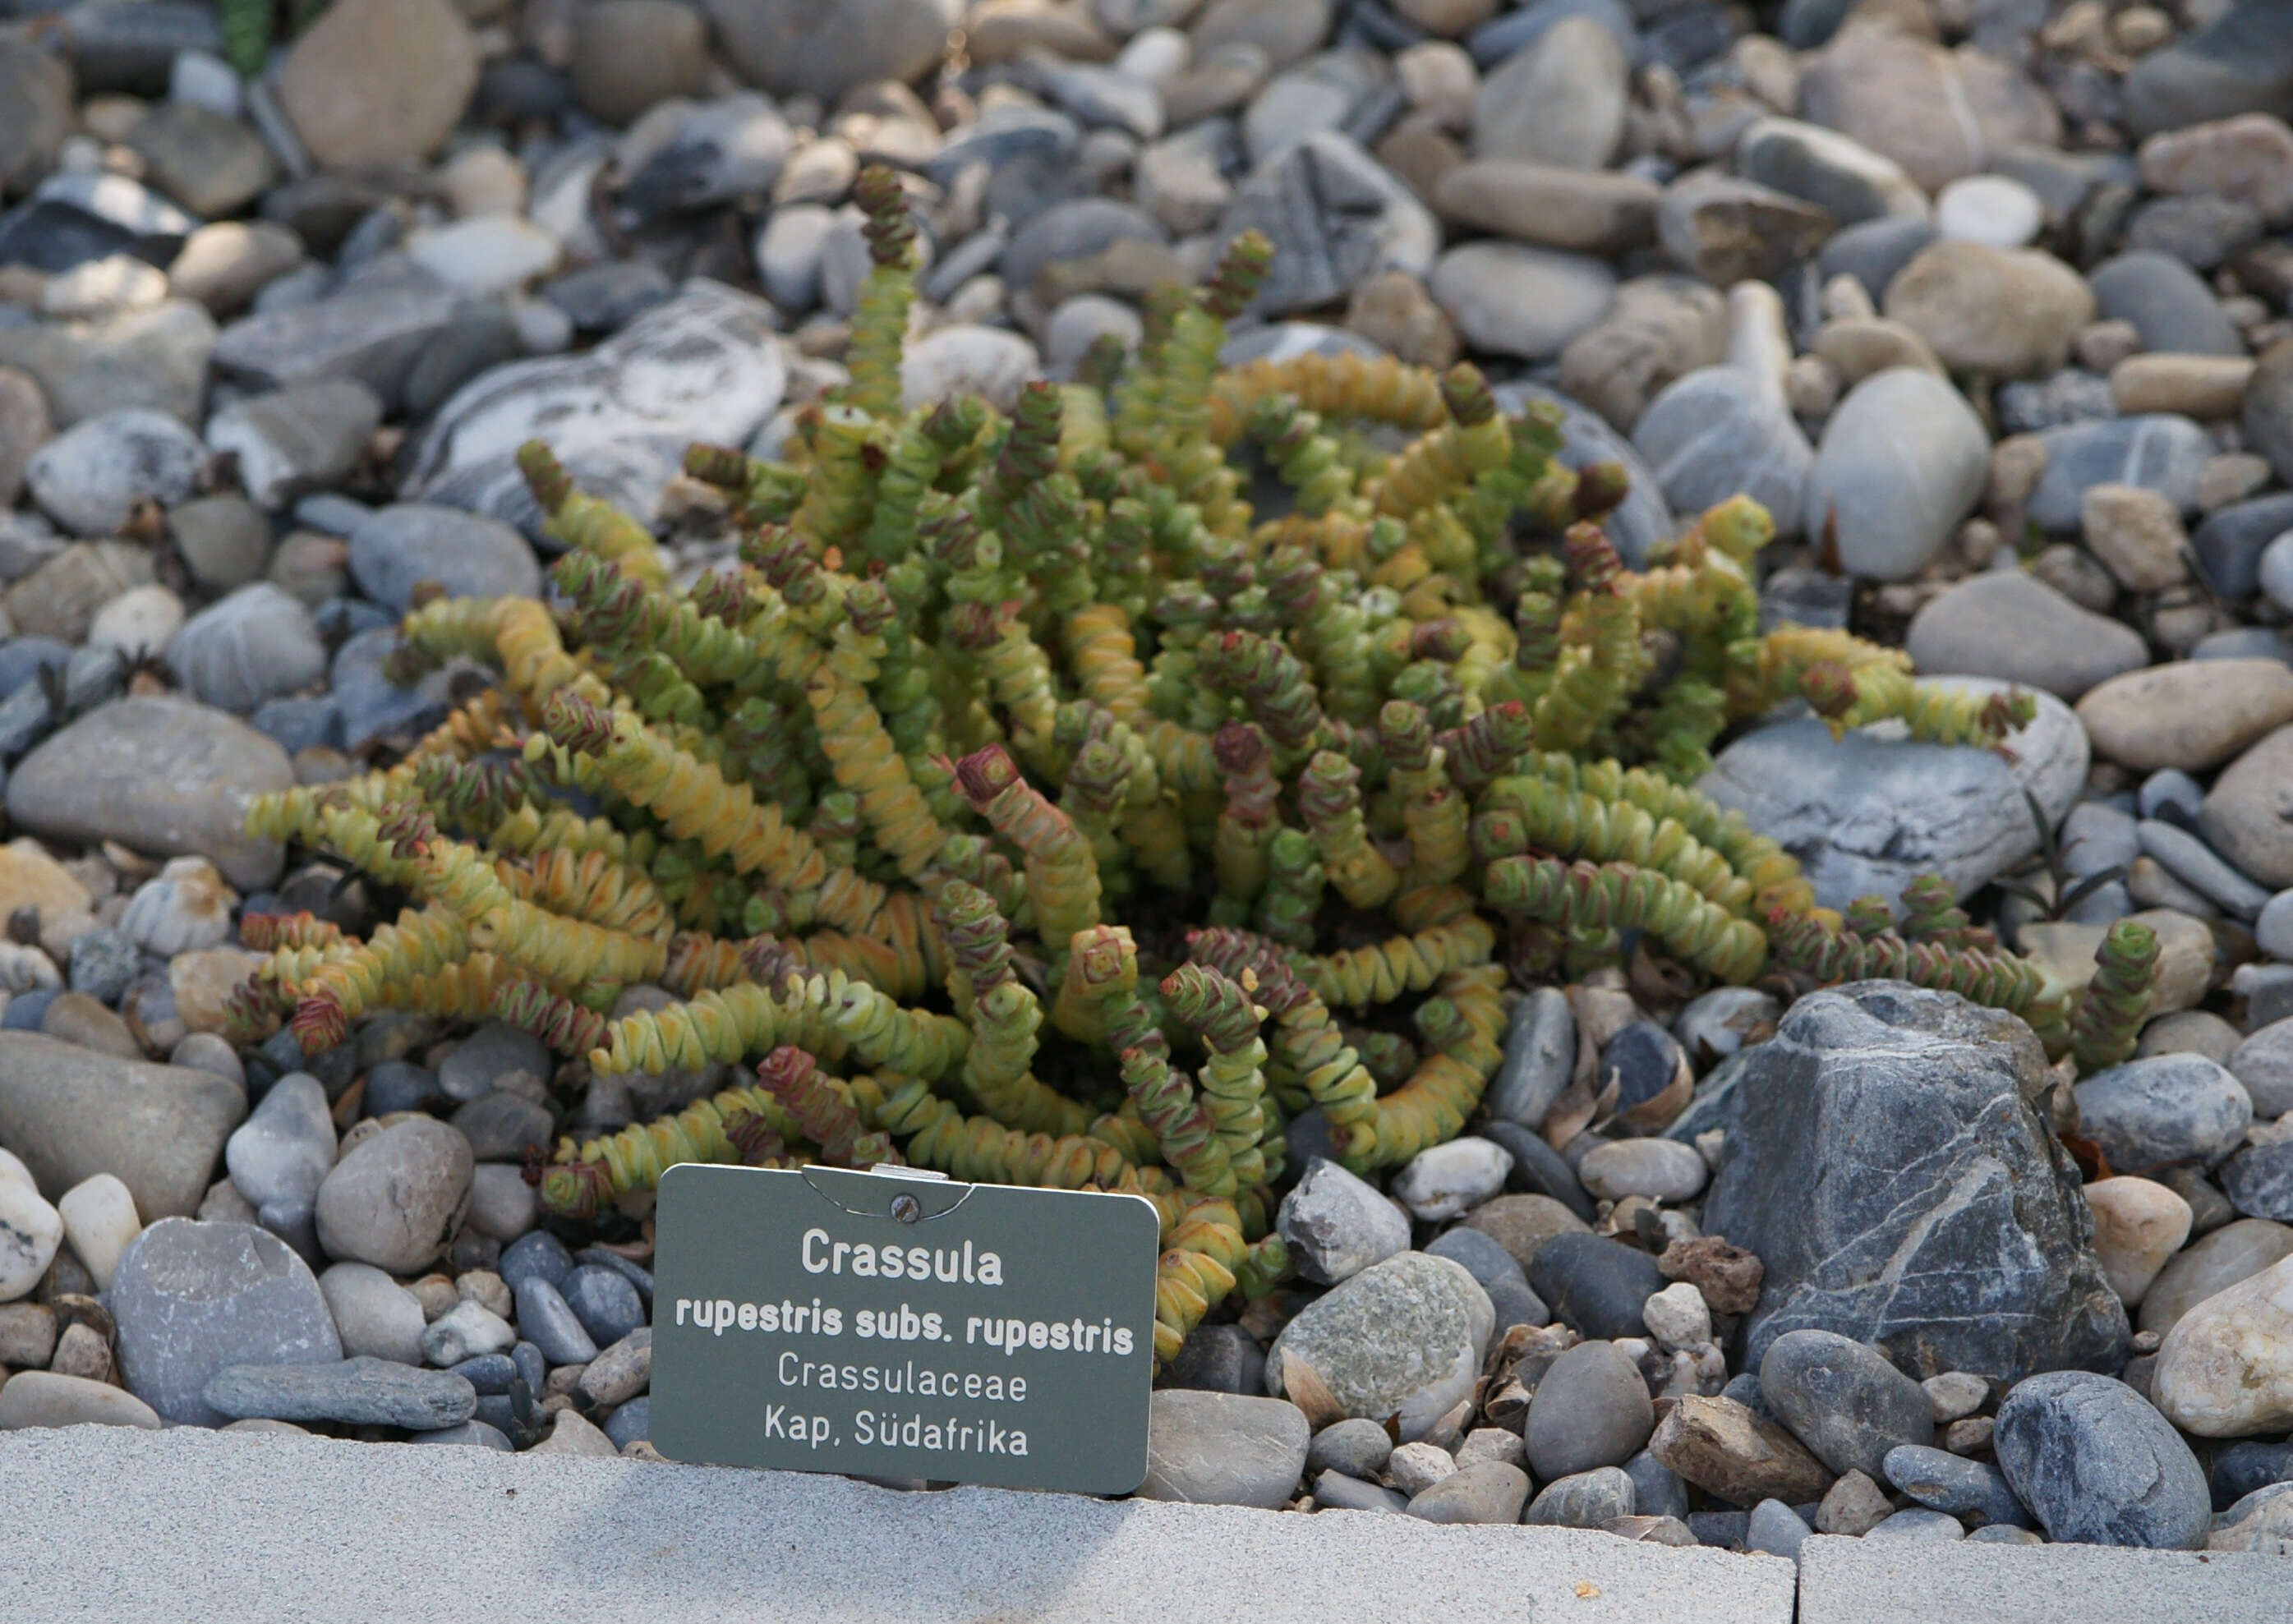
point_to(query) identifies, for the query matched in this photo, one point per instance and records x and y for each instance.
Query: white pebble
(1990, 209)
(466, 1330)
(1155, 56)
(186, 906)
(99, 287)
(542, 328)
(100, 1219)
(1678, 1317)
(30, 1231)
(1955, 1395)
(1444, 1181)
(1417, 1466)
(197, 80)
(487, 254)
(140, 622)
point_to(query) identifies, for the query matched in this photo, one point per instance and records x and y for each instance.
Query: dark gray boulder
(1885, 1162)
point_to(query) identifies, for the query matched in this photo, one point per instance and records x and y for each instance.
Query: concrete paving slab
(112, 1524)
(1851, 1581)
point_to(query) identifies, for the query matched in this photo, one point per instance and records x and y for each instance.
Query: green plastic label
(826, 1321)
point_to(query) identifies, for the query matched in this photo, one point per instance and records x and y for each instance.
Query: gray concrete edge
(114, 1523)
(109, 1524)
(1856, 1581)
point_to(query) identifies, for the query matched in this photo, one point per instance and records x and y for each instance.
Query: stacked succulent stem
(875, 797)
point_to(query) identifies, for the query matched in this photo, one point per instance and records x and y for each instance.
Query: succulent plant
(1037, 808)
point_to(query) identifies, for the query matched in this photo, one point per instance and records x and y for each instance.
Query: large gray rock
(361, 1392)
(1336, 218)
(162, 774)
(71, 1114)
(193, 1298)
(1223, 1448)
(1903, 460)
(704, 365)
(1886, 1162)
(1873, 812)
(2097, 1464)
(1402, 1339)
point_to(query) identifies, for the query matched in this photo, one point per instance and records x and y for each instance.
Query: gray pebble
(1919, 1523)
(1656, 1489)
(1775, 1529)
(1335, 1490)
(1489, 1492)
(2172, 794)
(1223, 1448)
(501, 1126)
(1216, 1359)
(1583, 1499)
(2168, 1108)
(1842, 1400)
(473, 1432)
(1358, 1448)
(2098, 1466)
(1540, 1050)
(1337, 1225)
(373, 1392)
(2192, 862)
(500, 1056)
(540, 1256)
(1591, 1409)
(549, 1322)
(604, 1302)
(284, 1151)
(1944, 1482)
